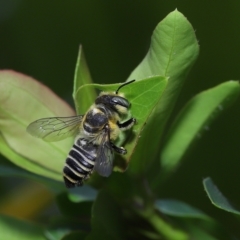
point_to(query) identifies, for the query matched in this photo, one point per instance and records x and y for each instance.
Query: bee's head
(114, 100)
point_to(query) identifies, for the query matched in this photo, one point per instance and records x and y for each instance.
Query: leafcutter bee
(96, 131)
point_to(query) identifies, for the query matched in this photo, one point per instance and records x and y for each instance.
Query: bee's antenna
(124, 84)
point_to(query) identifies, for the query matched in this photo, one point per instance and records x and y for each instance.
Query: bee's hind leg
(119, 150)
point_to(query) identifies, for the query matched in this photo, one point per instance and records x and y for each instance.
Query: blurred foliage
(41, 39)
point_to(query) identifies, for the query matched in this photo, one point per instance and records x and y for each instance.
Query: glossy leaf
(143, 96)
(217, 198)
(23, 100)
(177, 208)
(173, 50)
(194, 119)
(82, 76)
(14, 229)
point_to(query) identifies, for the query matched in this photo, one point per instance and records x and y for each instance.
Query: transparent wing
(105, 155)
(55, 128)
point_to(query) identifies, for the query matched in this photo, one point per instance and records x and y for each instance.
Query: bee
(96, 131)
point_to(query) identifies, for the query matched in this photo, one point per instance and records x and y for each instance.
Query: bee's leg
(79, 184)
(119, 150)
(88, 175)
(127, 125)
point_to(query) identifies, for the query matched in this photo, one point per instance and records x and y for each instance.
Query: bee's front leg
(127, 125)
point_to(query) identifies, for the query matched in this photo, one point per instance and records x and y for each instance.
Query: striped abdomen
(80, 163)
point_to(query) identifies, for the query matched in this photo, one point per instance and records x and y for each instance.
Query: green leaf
(193, 120)
(217, 198)
(193, 220)
(10, 171)
(173, 50)
(23, 161)
(61, 227)
(75, 235)
(14, 229)
(57, 233)
(143, 96)
(177, 208)
(106, 219)
(22, 101)
(86, 194)
(197, 233)
(82, 76)
(68, 208)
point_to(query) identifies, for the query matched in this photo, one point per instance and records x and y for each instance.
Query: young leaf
(177, 208)
(172, 52)
(14, 229)
(217, 198)
(82, 76)
(195, 118)
(143, 96)
(22, 101)
(188, 216)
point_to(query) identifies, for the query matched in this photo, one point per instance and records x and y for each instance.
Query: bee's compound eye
(114, 100)
(121, 101)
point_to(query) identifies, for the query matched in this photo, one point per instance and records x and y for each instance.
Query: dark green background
(41, 38)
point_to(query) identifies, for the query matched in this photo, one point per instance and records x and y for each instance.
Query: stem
(148, 212)
(166, 229)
